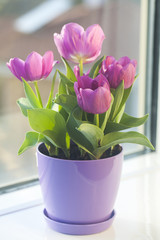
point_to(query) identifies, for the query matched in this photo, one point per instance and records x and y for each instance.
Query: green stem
(112, 149)
(67, 153)
(38, 93)
(82, 152)
(81, 67)
(56, 151)
(85, 114)
(51, 150)
(96, 119)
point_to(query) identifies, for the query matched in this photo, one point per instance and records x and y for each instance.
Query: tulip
(116, 71)
(77, 45)
(76, 71)
(35, 67)
(93, 95)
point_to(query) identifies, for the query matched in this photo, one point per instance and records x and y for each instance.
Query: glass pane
(27, 25)
(121, 22)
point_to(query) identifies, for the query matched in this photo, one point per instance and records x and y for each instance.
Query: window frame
(152, 70)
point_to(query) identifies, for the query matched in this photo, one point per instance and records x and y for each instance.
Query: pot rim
(72, 160)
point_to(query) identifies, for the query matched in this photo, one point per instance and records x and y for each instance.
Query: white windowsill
(137, 207)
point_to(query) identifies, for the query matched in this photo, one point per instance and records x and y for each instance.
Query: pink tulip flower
(75, 44)
(77, 71)
(93, 95)
(35, 67)
(116, 71)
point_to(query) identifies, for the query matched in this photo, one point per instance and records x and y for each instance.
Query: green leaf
(125, 97)
(118, 95)
(52, 149)
(70, 73)
(43, 139)
(67, 82)
(114, 138)
(33, 100)
(106, 115)
(126, 122)
(95, 67)
(114, 127)
(78, 113)
(63, 112)
(68, 102)
(24, 105)
(132, 121)
(62, 88)
(50, 99)
(31, 140)
(49, 123)
(78, 137)
(38, 93)
(91, 132)
(120, 114)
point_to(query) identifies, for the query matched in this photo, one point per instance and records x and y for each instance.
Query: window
(28, 25)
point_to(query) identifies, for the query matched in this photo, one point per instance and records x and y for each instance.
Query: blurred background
(26, 26)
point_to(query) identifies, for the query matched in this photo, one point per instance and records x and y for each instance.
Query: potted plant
(80, 129)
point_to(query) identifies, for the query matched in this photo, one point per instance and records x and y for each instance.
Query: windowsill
(137, 207)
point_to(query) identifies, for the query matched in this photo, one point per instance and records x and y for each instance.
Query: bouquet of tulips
(86, 118)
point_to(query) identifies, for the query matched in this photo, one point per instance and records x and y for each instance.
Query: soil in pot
(75, 153)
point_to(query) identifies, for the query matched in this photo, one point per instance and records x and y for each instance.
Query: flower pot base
(78, 229)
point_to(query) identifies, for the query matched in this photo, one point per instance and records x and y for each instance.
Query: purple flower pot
(79, 196)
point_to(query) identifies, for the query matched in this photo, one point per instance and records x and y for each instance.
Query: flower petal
(124, 61)
(134, 62)
(76, 71)
(101, 79)
(17, 67)
(68, 42)
(85, 82)
(58, 39)
(113, 72)
(73, 33)
(79, 98)
(33, 66)
(93, 40)
(106, 63)
(109, 60)
(47, 63)
(97, 101)
(116, 71)
(74, 43)
(127, 74)
(11, 67)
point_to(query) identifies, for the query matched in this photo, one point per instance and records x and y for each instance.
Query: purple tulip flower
(93, 95)
(75, 44)
(116, 71)
(35, 67)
